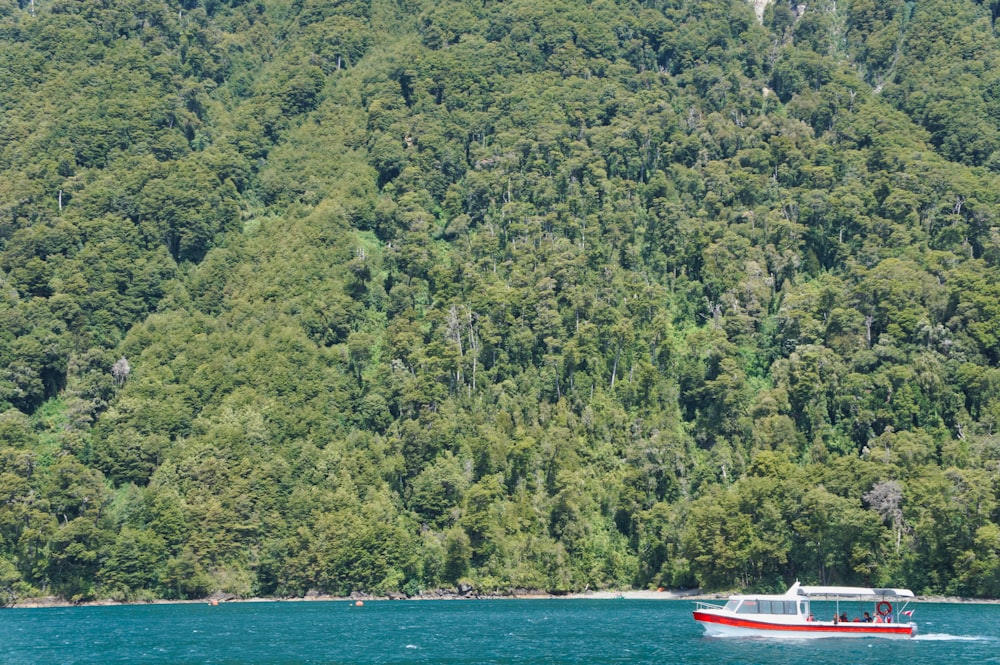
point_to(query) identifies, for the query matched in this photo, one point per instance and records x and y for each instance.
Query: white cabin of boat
(789, 614)
(795, 601)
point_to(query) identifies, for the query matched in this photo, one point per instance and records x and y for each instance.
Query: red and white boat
(789, 615)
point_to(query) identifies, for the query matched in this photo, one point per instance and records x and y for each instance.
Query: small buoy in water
(359, 604)
(213, 603)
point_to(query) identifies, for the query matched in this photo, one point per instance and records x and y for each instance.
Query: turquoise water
(550, 632)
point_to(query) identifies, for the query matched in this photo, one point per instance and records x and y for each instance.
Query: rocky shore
(461, 593)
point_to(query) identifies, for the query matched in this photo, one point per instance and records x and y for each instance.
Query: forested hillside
(397, 295)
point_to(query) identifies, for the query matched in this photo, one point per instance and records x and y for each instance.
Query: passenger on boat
(867, 618)
(843, 617)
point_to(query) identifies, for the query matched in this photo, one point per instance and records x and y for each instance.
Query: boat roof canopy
(852, 591)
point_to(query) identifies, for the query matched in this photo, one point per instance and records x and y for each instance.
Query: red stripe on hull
(850, 628)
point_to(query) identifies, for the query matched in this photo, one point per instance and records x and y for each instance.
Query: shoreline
(441, 594)
(522, 594)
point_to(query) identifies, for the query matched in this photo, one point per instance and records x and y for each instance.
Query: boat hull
(722, 625)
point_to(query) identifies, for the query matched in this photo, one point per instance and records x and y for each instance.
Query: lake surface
(552, 632)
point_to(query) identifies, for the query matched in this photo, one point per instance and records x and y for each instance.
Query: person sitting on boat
(811, 618)
(843, 617)
(867, 618)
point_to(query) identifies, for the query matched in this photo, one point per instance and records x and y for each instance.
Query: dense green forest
(395, 295)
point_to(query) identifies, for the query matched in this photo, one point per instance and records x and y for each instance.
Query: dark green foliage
(356, 296)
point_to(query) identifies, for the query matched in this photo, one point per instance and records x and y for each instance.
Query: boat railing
(701, 605)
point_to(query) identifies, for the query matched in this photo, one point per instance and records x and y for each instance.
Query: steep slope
(390, 296)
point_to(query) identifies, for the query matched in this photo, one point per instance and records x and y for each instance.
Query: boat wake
(944, 637)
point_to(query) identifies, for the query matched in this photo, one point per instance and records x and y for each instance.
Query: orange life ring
(884, 608)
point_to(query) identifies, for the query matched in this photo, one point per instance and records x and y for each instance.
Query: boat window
(766, 606)
(803, 610)
(776, 606)
(732, 605)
